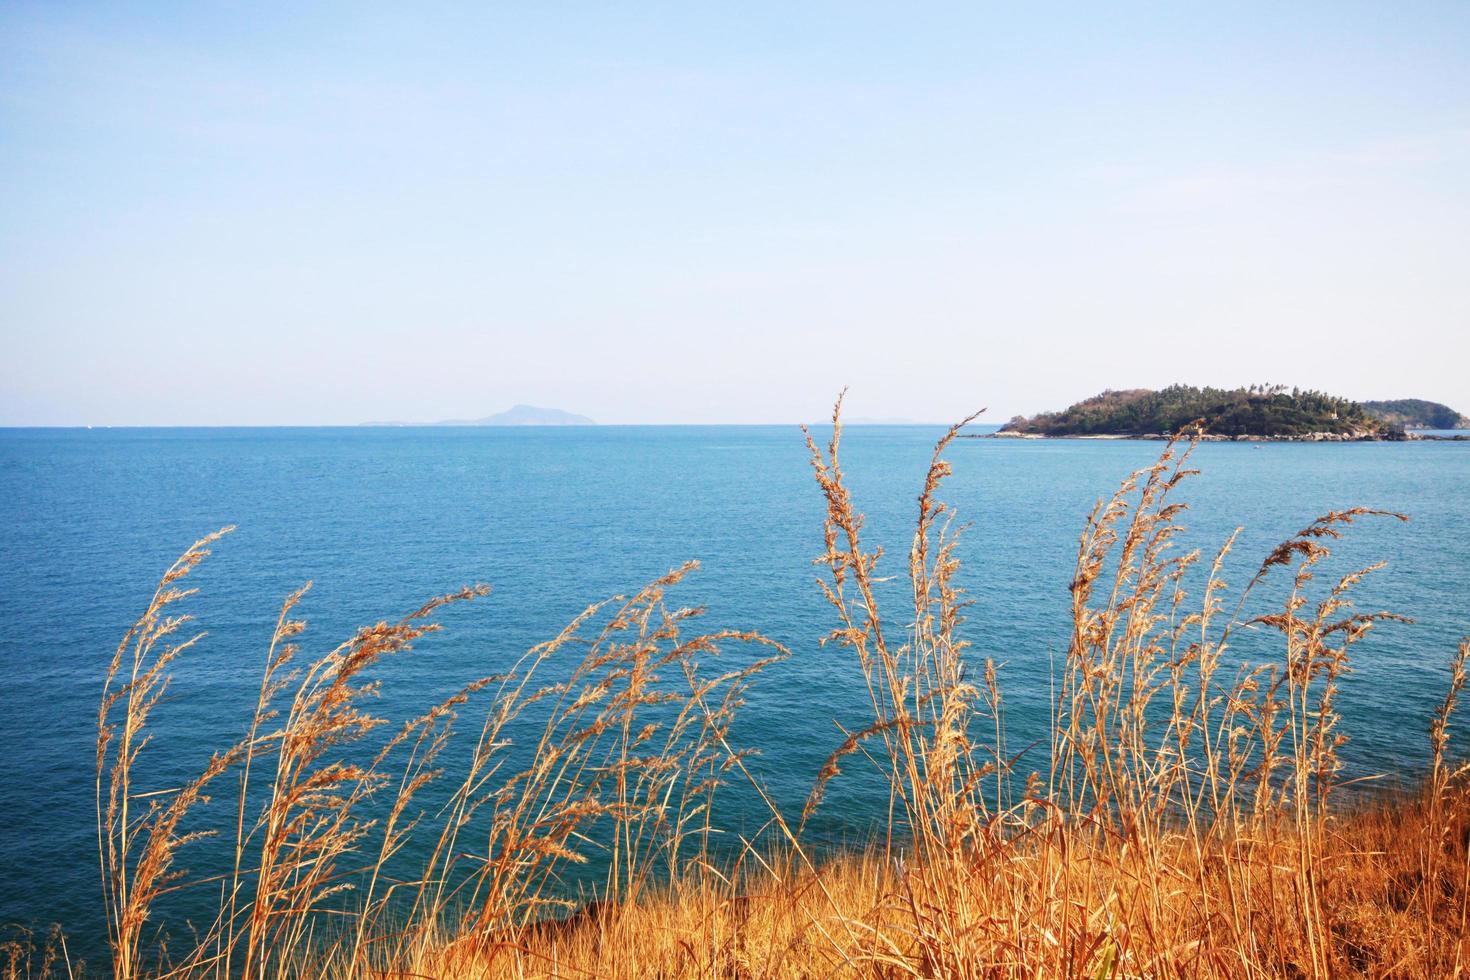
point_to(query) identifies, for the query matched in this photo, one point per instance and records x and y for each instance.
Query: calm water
(552, 519)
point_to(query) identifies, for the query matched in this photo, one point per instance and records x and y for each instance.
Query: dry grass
(1189, 822)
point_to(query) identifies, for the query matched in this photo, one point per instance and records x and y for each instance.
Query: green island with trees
(1265, 412)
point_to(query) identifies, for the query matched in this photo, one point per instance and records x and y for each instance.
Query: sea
(552, 519)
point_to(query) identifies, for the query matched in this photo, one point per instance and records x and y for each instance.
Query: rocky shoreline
(1207, 437)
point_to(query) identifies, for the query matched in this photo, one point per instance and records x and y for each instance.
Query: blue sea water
(381, 518)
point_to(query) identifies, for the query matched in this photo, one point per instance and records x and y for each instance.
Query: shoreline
(1334, 437)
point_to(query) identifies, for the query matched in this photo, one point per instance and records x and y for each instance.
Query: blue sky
(251, 214)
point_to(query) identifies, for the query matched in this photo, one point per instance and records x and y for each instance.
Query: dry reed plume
(1188, 820)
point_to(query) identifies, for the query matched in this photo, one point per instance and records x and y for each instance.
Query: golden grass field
(1189, 822)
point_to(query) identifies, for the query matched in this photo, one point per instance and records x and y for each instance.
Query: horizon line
(452, 425)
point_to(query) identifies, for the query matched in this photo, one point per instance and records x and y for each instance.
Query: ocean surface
(382, 518)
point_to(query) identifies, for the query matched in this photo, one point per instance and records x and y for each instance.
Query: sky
(221, 214)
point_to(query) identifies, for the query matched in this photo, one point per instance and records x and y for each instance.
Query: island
(515, 415)
(1416, 413)
(1258, 412)
(526, 415)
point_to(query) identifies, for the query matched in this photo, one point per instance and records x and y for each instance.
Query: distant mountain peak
(515, 415)
(527, 415)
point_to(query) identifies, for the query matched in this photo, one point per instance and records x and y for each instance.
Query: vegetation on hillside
(1416, 413)
(1186, 819)
(1260, 410)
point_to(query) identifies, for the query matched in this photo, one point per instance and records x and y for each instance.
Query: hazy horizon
(268, 216)
(986, 419)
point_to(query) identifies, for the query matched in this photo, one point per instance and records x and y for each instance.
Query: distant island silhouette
(1416, 413)
(515, 415)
